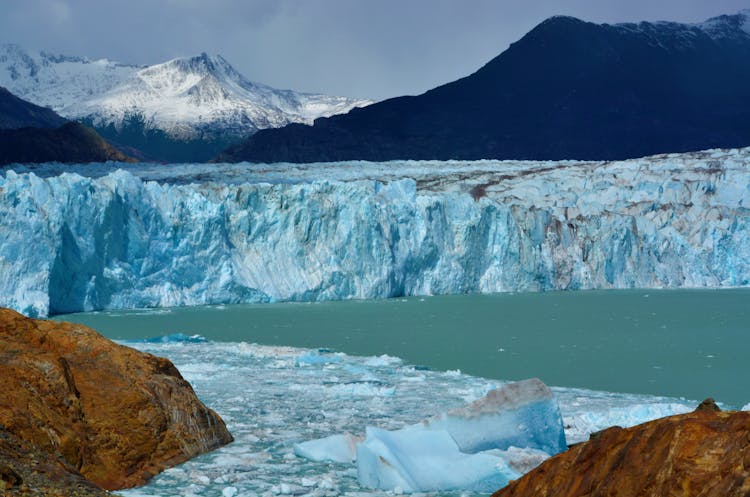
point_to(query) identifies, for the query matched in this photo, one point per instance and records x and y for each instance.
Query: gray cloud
(374, 49)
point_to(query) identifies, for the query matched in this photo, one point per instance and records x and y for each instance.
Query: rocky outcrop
(26, 472)
(112, 414)
(18, 113)
(29, 134)
(705, 453)
(71, 142)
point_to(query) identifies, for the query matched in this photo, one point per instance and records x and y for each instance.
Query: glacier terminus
(111, 236)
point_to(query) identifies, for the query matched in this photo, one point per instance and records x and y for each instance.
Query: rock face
(704, 453)
(26, 471)
(112, 414)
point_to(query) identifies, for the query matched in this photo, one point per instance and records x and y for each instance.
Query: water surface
(683, 343)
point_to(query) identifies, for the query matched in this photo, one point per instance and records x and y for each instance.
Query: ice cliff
(197, 234)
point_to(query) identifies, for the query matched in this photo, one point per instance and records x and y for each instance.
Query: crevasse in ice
(199, 234)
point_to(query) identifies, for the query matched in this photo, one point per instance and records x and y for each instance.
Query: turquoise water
(683, 343)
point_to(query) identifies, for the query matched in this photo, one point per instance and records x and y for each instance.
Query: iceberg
(471, 448)
(478, 448)
(156, 236)
(413, 460)
(336, 448)
(520, 414)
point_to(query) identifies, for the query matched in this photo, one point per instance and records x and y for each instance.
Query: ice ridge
(73, 243)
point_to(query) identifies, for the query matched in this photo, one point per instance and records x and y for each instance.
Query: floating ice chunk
(313, 357)
(336, 448)
(417, 460)
(362, 389)
(176, 338)
(382, 360)
(520, 414)
(746, 408)
(443, 452)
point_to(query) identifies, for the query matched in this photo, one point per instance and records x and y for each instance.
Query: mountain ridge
(169, 110)
(568, 89)
(17, 113)
(29, 133)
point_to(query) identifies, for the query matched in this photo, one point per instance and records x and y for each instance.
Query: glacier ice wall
(72, 243)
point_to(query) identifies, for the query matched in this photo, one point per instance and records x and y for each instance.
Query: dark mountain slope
(567, 90)
(17, 113)
(29, 133)
(71, 142)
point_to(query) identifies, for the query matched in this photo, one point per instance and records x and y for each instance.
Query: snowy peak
(719, 28)
(727, 26)
(185, 98)
(57, 81)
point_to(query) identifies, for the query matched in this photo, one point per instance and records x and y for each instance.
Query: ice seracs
(202, 234)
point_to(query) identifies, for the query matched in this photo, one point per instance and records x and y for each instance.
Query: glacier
(109, 236)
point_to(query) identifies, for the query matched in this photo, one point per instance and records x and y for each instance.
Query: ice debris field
(148, 235)
(317, 422)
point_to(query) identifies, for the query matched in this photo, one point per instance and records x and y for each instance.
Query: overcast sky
(373, 49)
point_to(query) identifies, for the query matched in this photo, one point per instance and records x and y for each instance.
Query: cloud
(360, 48)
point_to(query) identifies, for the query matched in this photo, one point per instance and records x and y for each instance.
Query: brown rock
(27, 472)
(705, 453)
(113, 414)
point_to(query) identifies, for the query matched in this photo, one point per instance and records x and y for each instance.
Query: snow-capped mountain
(727, 26)
(185, 99)
(204, 94)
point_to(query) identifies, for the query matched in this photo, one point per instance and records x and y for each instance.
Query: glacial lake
(678, 343)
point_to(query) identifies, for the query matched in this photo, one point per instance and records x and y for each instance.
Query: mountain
(29, 133)
(18, 113)
(186, 109)
(568, 89)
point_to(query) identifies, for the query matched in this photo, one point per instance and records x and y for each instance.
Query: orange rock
(705, 453)
(113, 414)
